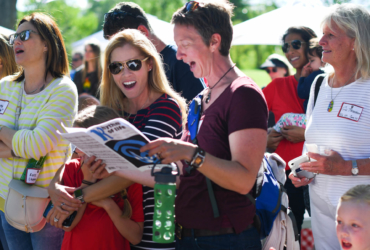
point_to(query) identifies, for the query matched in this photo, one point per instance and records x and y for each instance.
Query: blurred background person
(282, 97)
(88, 78)
(277, 66)
(7, 59)
(77, 60)
(48, 99)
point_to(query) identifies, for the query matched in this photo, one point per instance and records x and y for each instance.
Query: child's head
(314, 54)
(353, 218)
(94, 115)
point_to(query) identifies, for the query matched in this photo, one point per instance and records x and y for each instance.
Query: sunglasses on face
(296, 44)
(76, 59)
(134, 65)
(24, 36)
(274, 69)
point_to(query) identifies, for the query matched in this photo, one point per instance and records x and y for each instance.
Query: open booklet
(117, 142)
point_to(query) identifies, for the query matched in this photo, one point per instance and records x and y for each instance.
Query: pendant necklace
(137, 112)
(331, 103)
(210, 89)
(41, 89)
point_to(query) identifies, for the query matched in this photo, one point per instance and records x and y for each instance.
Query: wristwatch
(79, 195)
(198, 158)
(354, 168)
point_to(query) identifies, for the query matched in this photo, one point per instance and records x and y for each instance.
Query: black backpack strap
(212, 197)
(295, 228)
(317, 88)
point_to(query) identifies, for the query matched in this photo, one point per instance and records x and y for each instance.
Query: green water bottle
(32, 170)
(164, 205)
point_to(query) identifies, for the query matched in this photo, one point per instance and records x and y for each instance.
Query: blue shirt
(304, 86)
(179, 75)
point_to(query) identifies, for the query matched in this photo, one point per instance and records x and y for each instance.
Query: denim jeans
(246, 240)
(49, 238)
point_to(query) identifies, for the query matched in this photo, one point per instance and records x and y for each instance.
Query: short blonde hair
(354, 20)
(111, 95)
(359, 193)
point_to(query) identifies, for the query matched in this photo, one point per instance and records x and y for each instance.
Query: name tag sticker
(350, 111)
(3, 105)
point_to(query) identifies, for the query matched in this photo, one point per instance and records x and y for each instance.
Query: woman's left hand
(293, 133)
(170, 150)
(332, 164)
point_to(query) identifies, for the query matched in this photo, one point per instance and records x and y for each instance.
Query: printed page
(116, 142)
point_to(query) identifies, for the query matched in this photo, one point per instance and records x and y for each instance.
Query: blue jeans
(49, 238)
(246, 240)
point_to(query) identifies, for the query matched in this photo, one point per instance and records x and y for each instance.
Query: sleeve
(135, 197)
(269, 93)
(185, 82)
(70, 173)
(165, 120)
(61, 107)
(248, 109)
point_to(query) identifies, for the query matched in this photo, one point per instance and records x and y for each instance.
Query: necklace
(210, 89)
(137, 111)
(331, 103)
(42, 88)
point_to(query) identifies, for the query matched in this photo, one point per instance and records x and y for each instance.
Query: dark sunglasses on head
(191, 6)
(24, 36)
(134, 65)
(274, 69)
(296, 44)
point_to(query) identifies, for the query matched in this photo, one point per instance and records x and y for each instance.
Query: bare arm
(6, 136)
(247, 149)
(5, 151)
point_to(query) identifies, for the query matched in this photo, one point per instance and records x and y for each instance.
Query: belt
(187, 232)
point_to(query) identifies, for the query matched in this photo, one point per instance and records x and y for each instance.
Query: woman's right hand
(273, 139)
(299, 182)
(62, 198)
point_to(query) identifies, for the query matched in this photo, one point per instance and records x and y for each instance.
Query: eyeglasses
(296, 44)
(274, 69)
(76, 59)
(24, 36)
(191, 6)
(134, 65)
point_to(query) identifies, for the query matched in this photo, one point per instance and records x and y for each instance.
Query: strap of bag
(17, 115)
(317, 88)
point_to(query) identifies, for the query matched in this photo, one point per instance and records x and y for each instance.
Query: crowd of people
(315, 111)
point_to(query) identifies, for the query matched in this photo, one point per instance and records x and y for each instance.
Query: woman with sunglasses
(282, 97)
(339, 124)
(88, 78)
(46, 98)
(7, 60)
(135, 85)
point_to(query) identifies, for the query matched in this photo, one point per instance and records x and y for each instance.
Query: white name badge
(3, 105)
(350, 111)
(31, 175)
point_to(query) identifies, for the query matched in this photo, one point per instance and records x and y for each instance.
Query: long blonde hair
(112, 96)
(7, 58)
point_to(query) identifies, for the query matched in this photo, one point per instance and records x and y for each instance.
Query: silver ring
(55, 219)
(62, 204)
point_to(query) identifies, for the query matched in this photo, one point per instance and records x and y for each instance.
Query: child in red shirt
(110, 223)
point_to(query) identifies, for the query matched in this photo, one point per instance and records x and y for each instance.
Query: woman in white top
(339, 124)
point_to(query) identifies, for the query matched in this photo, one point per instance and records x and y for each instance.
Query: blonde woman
(135, 85)
(7, 60)
(47, 98)
(88, 78)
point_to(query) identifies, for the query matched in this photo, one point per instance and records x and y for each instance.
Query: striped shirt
(161, 119)
(41, 116)
(347, 137)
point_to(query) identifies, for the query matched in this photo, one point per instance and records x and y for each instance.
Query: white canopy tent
(162, 29)
(6, 31)
(269, 28)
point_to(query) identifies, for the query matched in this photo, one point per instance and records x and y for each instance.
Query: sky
(280, 3)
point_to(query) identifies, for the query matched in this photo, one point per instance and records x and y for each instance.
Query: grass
(260, 77)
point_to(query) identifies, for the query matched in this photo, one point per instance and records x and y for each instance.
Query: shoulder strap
(17, 115)
(317, 88)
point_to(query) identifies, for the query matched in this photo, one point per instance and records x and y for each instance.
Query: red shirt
(96, 229)
(240, 106)
(282, 97)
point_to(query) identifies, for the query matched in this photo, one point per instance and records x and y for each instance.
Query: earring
(353, 48)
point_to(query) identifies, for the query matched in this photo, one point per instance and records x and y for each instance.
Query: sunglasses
(134, 65)
(191, 6)
(296, 44)
(274, 69)
(24, 36)
(76, 59)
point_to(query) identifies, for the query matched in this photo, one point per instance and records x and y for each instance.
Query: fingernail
(299, 180)
(306, 179)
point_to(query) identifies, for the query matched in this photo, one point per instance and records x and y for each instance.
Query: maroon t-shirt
(241, 106)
